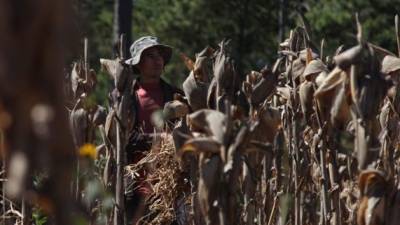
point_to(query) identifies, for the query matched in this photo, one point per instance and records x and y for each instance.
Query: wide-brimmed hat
(144, 43)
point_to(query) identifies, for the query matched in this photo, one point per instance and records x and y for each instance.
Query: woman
(151, 92)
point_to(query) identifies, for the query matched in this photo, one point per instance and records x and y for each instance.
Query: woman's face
(151, 65)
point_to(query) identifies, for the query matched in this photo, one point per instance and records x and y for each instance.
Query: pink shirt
(150, 98)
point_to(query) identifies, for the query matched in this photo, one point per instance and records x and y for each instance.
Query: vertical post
(122, 46)
(85, 57)
(119, 211)
(396, 22)
(122, 21)
(281, 20)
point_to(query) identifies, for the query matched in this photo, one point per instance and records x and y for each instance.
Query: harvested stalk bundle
(166, 179)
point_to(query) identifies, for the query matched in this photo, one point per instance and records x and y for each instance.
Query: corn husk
(126, 112)
(175, 109)
(340, 111)
(270, 121)
(77, 79)
(306, 94)
(361, 145)
(209, 122)
(298, 67)
(349, 57)
(224, 70)
(303, 55)
(373, 186)
(208, 187)
(390, 64)
(313, 68)
(325, 93)
(196, 92)
(79, 123)
(180, 134)
(200, 69)
(263, 88)
(370, 95)
(187, 61)
(202, 144)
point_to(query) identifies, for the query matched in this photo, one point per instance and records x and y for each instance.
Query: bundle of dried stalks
(165, 177)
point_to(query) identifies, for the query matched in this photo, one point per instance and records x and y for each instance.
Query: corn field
(311, 139)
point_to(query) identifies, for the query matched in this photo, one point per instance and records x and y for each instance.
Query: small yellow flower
(88, 150)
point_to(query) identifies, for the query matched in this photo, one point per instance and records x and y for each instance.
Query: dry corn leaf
(303, 55)
(309, 56)
(109, 171)
(117, 71)
(354, 87)
(79, 125)
(201, 144)
(253, 77)
(91, 81)
(188, 62)
(180, 134)
(285, 43)
(211, 94)
(384, 115)
(247, 89)
(284, 92)
(109, 126)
